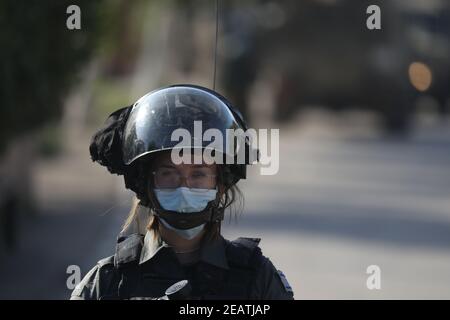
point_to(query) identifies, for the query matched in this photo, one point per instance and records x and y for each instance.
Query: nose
(183, 181)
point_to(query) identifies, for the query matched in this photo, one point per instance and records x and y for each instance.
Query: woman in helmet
(173, 232)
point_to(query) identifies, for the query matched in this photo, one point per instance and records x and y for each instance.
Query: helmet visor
(154, 118)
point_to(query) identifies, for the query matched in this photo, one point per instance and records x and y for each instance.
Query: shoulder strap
(249, 243)
(243, 252)
(99, 283)
(128, 249)
(126, 259)
(244, 258)
(109, 279)
(106, 261)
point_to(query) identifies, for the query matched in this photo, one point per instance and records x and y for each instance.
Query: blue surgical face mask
(187, 234)
(185, 200)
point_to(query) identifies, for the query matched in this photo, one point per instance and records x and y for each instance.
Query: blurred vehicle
(322, 54)
(336, 62)
(428, 33)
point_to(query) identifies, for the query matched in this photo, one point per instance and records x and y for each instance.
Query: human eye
(199, 174)
(166, 172)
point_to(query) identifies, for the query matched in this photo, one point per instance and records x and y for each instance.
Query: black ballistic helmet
(133, 134)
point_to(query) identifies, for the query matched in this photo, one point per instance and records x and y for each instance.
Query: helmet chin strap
(212, 213)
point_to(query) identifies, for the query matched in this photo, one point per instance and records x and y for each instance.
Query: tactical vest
(144, 281)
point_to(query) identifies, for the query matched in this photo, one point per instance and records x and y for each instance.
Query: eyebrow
(167, 166)
(201, 166)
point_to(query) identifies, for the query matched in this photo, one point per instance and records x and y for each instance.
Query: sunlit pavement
(344, 199)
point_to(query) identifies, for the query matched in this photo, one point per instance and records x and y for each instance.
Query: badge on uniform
(286, 284)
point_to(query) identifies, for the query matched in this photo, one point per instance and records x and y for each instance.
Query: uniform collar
(212, 252)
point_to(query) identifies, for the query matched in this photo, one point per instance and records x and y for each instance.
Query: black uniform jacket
(143, 267)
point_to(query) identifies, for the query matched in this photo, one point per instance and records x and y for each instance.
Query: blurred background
(364, 125)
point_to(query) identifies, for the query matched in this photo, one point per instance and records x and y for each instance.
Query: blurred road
(344, 199)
